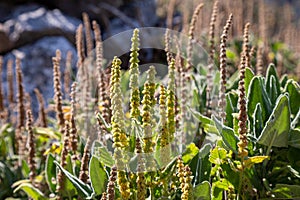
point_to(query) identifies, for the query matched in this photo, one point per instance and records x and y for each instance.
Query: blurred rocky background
(34, 29)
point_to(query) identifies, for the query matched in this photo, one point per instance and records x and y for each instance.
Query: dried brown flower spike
(88, 33)
(10, 81)
(31, 147)
(79, 45)
(192, 37)
(20, 95)
(57, 90)
(42, 113)
(167, 46)
(211, 58)
(111, 184)
(60, 176)
(223, 65)
(242, 144)
(67, 74)
(246, 50)
(73, 133)
(84, 168)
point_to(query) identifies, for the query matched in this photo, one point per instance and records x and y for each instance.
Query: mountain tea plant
(198, 132)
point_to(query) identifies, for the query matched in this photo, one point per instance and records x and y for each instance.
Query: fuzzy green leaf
(284, 80)
(257, 94)
(276, 130)
(286, 191)
(83, 189)
(202, 191)
(227, 134)
(254, 160)
(208, 124)
(293, 89)
(249, 74)
(50, 170)
(190, 152)
(294, 139)
(231, 107)
(200, 165)
(217, 156)
(273, 91)
(257, 121)
(271, 72)
(98, 175)
(31, 191)
(102, 154)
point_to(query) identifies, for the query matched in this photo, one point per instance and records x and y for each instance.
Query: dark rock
(30, 23)
(37, 65)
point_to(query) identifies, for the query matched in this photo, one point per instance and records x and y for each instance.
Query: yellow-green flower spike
(123, 185)
(140, 180)
(163, 116)
(147, 120)
(187, 188)
(171, 114)
(163, 128)
(171, 101)
(134, 75)
(180, 172)
(117, 120)
(151, 80)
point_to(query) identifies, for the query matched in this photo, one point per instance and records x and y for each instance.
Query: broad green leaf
(293, 89)
(98, 176)
(294, 139)
(230, 173)
(25, 168)
(273, 92)
(276, 130)
(286, 191)
(201, 117)
(217, 156)
(69, 165)
(271, 71)
(227, 134)
(249, 74)
(102, 120)
(205, 150)
(3, 148)
(207, 123)
(231, 55)
(257, 94)
(31, 191)
(103, 154)
(202, 191)
(200, 165)
(222, 184)
(254, 160)
(296, 120)
(167, 171)
(190, 152)
(83, 189)
(231, 107)
(46, 132)
(284, 80)
(50, 172)
(257, 121)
